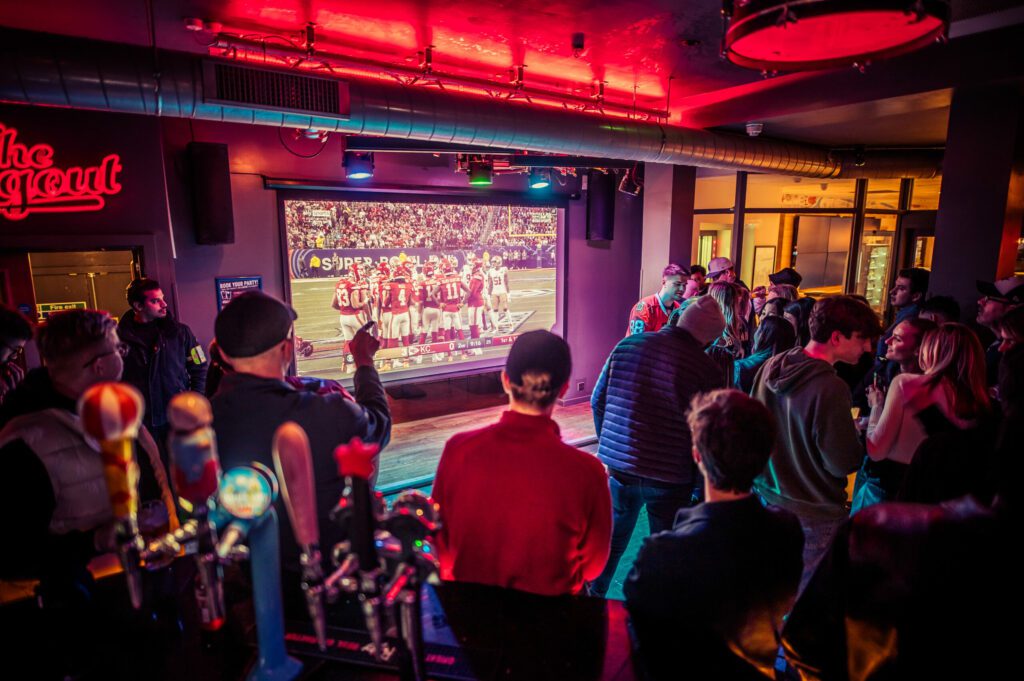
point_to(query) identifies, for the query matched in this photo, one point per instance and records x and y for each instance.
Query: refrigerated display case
(873, 271)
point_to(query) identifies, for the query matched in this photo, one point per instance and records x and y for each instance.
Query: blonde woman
(953, 381)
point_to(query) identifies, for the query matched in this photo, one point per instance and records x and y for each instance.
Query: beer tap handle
(195, 466)
(293, 462)
(356, 511)
(356, 507)
(111, 414)
(195, 471)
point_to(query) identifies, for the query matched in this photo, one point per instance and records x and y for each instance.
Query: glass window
(883, 195)
(783, 191)
(715, 189)
(926, 194)
(712, 237)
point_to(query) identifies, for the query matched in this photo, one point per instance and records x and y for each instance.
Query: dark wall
(602, 278)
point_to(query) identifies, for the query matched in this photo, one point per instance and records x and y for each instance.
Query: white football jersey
(496, 279)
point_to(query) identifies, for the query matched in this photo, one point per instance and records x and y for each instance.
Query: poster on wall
(230, 287)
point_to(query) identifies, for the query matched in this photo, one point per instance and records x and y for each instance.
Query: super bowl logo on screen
(446, 285)
(31, 182)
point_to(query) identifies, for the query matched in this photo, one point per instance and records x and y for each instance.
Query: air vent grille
(276, 90)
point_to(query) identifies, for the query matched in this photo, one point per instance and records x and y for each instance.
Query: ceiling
(663, 52)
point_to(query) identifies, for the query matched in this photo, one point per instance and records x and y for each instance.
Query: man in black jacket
(254, 333)
(704, 591)
(639, 405)
(164, 358)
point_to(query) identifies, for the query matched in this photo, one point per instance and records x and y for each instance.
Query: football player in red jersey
(652, 312)
(475, 301)
(449, 292)
(384, 303)
(431, 308)
(416, 302)
(400, 295)
(350, 298)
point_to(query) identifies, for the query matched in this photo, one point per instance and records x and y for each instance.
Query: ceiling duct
(43, 70)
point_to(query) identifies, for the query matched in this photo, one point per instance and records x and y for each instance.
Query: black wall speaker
(213, 216)
(600, 206)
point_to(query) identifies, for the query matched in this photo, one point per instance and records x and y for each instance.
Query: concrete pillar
(668, 221)
(982, 202)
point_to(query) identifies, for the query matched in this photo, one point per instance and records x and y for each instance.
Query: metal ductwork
(44, 70)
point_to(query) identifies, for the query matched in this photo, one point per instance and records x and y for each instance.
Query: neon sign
(29, 182)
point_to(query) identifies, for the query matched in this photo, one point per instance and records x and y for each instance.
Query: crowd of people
(385, 224)
(723, 412)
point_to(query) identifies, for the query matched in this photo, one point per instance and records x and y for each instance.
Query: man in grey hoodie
(817, 443)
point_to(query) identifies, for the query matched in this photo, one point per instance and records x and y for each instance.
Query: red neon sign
(29, 182)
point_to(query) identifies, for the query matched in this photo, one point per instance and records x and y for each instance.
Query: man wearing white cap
(997, 299)
(721, 269)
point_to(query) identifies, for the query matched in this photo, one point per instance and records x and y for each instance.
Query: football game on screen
(448, 285)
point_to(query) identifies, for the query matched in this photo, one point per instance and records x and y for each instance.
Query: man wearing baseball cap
(997, 298)
(721, 269)
(254, 333)
(521, 509)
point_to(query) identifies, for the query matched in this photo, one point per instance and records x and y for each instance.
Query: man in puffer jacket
(640, 403)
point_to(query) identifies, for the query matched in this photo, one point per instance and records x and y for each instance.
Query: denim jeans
(818, 536)
(629, 494)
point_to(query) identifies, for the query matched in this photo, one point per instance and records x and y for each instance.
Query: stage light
(358, 165)
(540, 179)
(481, 173)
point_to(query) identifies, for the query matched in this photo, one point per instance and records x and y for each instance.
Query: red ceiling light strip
(29, 182)
(268, 51)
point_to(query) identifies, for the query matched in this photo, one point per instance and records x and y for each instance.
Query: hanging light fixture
(481, 173)
(794, 35)
(358, 165)
(540, 178)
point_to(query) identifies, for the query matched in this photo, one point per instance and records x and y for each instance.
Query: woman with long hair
(799, 313)
(773, 335)
(953, 363)
(730, 300)
(953, 383)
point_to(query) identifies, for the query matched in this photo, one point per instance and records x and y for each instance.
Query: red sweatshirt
(522, 509)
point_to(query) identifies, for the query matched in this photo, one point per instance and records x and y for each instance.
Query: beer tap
(111, 414)
(195, 471)
(358, 512)
(413, 522)
(245, 496)
(294, 465)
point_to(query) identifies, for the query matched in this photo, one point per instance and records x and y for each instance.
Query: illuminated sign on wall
(30, 183)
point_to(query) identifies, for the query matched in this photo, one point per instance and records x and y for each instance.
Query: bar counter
(471, 632)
